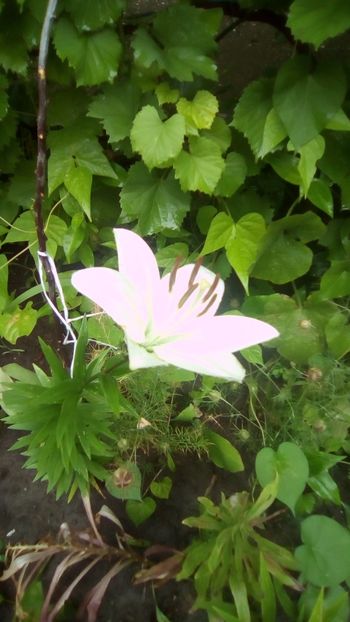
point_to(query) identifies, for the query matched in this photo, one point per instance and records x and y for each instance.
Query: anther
(212, 288)
(187, 295)
(195, 271)
(210, 303)
(173, 273)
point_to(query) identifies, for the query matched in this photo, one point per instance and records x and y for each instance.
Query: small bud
(305, 324)
(320, 426)
(314, 374)
(244, 435)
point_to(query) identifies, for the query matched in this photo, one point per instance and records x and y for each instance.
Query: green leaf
(286, 166)
(325, 487)
(200, 112)
(335, 283)
(314, 22)
(243, 249)
(94, 57)
(190, 413)
(318, 610)
(116, 107)
(306, 97)
(18, 324)
(91, 15)
(156, 141)
(78, 181)
(233, 175)
(221, 230)
(165, 94)
(167, 256)
(324, 557)
(220, 133)
(161, 617)
(255, 117)
(201, 167)
(290, 464)
(157, 202)
(204, 217)
(161, 488)
(125, 482)
(223, 454)
(140, 511)
(339, 122)
(320, 195)
(309, 154)
(338, 335)
(146, 52)
(4, 274)
(268, 601)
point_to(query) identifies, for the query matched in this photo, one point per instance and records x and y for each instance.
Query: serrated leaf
(201, 111)
(290, 464)
(94, 57)
(201, 167)
(167, 256)
(156, 141)
(233, 175)
(146, 51)
(92, 15)
(116, 107)
(220, 133)
(78, 181)
(165, 94)
(314, 22)
(306, 97)
(221, 229)
(156, 201)
(309, 155)
(243, 249)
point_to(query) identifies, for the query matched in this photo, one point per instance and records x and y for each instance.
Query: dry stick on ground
(41, 163)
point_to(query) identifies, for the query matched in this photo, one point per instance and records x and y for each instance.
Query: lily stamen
(195, 271)
(172, 277)
(187, 294)
(212, 288)
(210, 303)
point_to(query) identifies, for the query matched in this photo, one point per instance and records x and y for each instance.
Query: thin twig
(41, 164)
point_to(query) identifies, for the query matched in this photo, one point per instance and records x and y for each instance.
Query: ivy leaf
(221, 230)
(232, 176)
(157, 202)
(78, 181)
(116, 107)
(290, 464)
(201, 111)
(309, 154)
(242, 250)
(157, 141)
(92, 15)
(306, 98)
(94, 57)
(320, 195)
(201, 167)
(314, 22)
(255, 117)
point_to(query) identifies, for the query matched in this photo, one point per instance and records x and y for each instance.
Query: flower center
(209, 293)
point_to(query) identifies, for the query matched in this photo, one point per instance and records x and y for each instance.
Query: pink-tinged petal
(114, 295)
(225, 333)
(220, 365)
(139, 357)
(177, 305)
(138, 265)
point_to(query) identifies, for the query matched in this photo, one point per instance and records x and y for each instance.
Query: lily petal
(139, 357)
(138, 265)
(115, 296)
(218, 364)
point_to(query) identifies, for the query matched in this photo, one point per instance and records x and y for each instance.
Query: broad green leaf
(325, 487)
(140, 511)
(4, 274)
(338, 335)
(335, 282)
(309, 155)
(220, 133)
(177, 25)
(161, 488)
(200, 112)
(25, 231)
(286, 166)
(313, 22)
(78, 181)
(222, 229)
(94, 57)
(125, 482)
(223, 453)
(146, 51)
(201, 167)
(253, 355)
(290, 464)
(22, 188)
(243, 249)
(167, 256)
(165, 94)
(161, 617)
(320, 195)
(306, 97)
(273, 134)
(157, 141)
(156, 201)
(204, 217)
(18, 324)
(91, 15)
(283, 259)
(339, 122)
(318, 610)
(116, 107)
(252, 110)
(233, 175)
(324, 556)
(182, 63)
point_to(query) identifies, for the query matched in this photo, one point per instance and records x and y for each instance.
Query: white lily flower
(170, 320)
